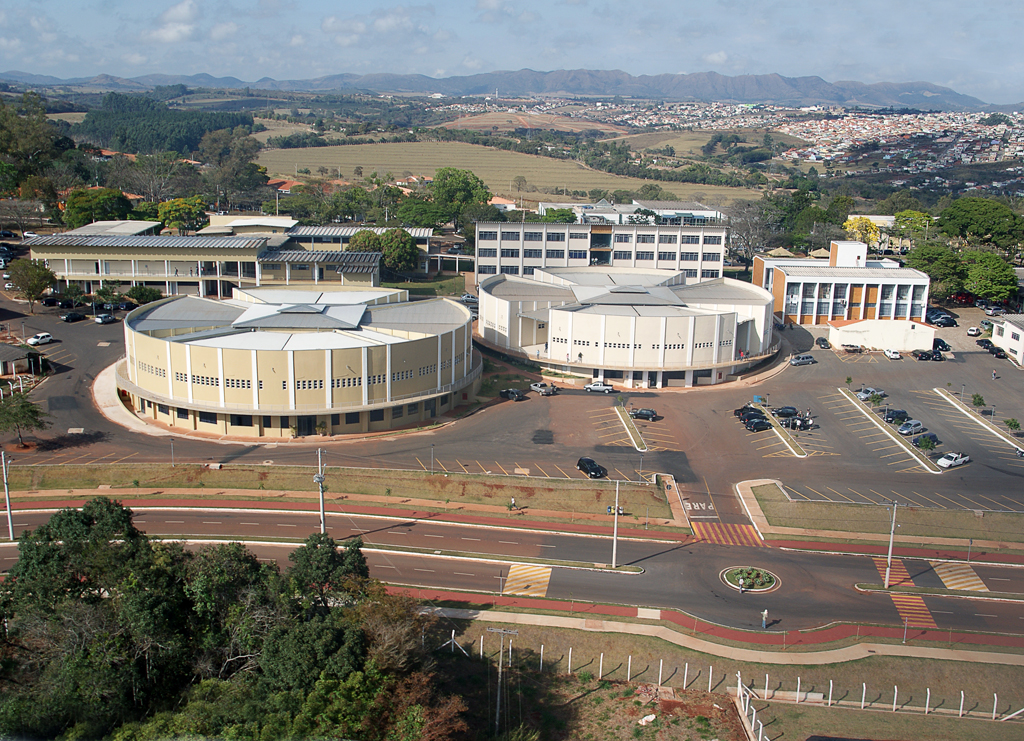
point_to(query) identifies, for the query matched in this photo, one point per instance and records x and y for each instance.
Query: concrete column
(291, 379)
(366, 388)
(437, 374)
(689, 341)
(387, 374)
(600, 350)
(188, 371)
(170, 375)
(328, 377)
(255, 382)
(664, 339)
(220, 371)
(632, 346)
(287, 273)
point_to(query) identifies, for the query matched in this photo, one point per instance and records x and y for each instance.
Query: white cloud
(223, 31)
(487, 4)
(717, 58)
(472, 63)
(177, 23)
(296, 40)
(134, 59)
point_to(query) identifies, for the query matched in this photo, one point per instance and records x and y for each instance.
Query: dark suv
(940, 344)
(592, 468)
(896, 415)
(648, 414)
(513, 394)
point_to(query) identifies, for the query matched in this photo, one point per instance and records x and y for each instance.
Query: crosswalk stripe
(726, 534)
(898, 574)
(911, 607)
(959, 576)
(527, 580)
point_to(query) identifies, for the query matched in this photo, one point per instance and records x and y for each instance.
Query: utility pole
(7, 494)
(501, 660)
(615, 527)
(892, 533)
(319, 481)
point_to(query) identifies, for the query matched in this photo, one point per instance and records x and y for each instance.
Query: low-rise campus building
(846, 285)
(279, 362)
(641, 328)
(1007, 333)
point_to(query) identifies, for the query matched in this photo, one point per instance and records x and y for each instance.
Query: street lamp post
(641, 467)
(892, 533)
(7, 494)
(431, 457)
(615, 527)
(962, 387)
(172, 452)
(318, 479)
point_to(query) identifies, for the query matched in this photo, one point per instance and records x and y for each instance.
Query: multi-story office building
(695, 251)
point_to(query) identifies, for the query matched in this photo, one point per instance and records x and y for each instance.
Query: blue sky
(971, 47)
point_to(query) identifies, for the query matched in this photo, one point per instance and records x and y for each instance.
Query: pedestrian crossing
(959, 576)
(898, 574)
(723, 534)
(527, 580)
(911, 607)
(913, 611)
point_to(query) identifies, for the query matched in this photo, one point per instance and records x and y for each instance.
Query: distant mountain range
(700, 86)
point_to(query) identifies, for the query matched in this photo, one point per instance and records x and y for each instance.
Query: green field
(690, 142)
(495, 167)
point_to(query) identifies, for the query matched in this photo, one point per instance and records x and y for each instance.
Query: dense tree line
(110, 634)
(129, 123)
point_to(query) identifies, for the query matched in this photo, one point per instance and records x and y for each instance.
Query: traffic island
(750, 579)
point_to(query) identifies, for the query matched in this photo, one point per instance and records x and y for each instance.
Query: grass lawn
(913, 676)
(451, 286)
(272, 481)
(856, 518)
(495, 167)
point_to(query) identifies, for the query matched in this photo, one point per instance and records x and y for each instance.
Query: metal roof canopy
(143, 241)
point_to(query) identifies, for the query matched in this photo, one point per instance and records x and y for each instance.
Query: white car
(953, 459)
(867, 392)
(28, 235)
(994, 311)
(8, 286)
(598, 386)
(973, 332)
(469, 298)
(542, 388)
(893, 354)
(43, 338)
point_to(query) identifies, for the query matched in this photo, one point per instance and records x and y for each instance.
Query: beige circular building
(640, 328)
(280, 363)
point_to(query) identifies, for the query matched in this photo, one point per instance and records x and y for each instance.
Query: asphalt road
(814, 590)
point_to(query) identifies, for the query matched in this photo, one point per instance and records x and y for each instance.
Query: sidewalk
(684, 631)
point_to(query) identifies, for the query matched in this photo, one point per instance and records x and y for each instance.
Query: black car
(4, 234)
(513, 394)
(896, 415)
(127, 306)
(822, 343)
(922, 354)
(752, 414)
(648, 414)
(758, 425)
(937, 355)
(785, 412)
(592, 468)
(997, 352)
(65, 304)
(72, 316)
(945, 321)
(744, 408)
(50, 301)
(797, 423)
(984, 342)
(940, 344)
(927, 436)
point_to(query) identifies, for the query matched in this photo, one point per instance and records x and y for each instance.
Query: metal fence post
(863, 694)
(629, 667)
(895, 692)
(570, 660)
(995, 704)
(661, 665)
(830, 693)
(542, 657)
(600, 667)
(798, 689)
(927, 700)
(961, 714)
(711, 676)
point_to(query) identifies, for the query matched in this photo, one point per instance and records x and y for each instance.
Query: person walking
(993, 375)
(513, 503)
(764, 619)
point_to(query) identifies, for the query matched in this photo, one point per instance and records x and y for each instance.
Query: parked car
(752, 414)
(758, 425)
(994, 311)
(895, 415)
(893, 354)
(72, 316)
(65, 304)
(940, 344)
(797, 423)
(911, 427)
(599, 387)
(952, 459)
(513, 394)
(867, 392)
(984, 342)
(973, 332)
(592, 468)
(4, 234)
(105, 319)
(42, 338)
(49, 301)
(937, 355)
(997, 352)
(804, 359)
(852, 348)
(784, 412)
(985, 324)
(469, 298)
(822, 343)
(28, 235)
(945, 321)
(927, 436)
(9, 286)
(744, 408)
(648, 414)
(922, 354)
(127, 306)
(544, 389)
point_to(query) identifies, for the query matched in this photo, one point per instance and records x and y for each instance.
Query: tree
(750, 228)
(478, 212)
(183, 214)
(455, 190)
(945, 267)
(1012, 424)
(95, 204)
(418, 212)
(876, 400)
(32, 278)
(982, 221)
(989, 275)
(143, 294)
(561, 216)
(862, 229)
(520, 182)
(977, 400)
(926, 444)
(109, 293)
(911, 225)
(901, 200)
(18, 413)
(365, 240)
(73, 293)
(400, 251)
(839, 209)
